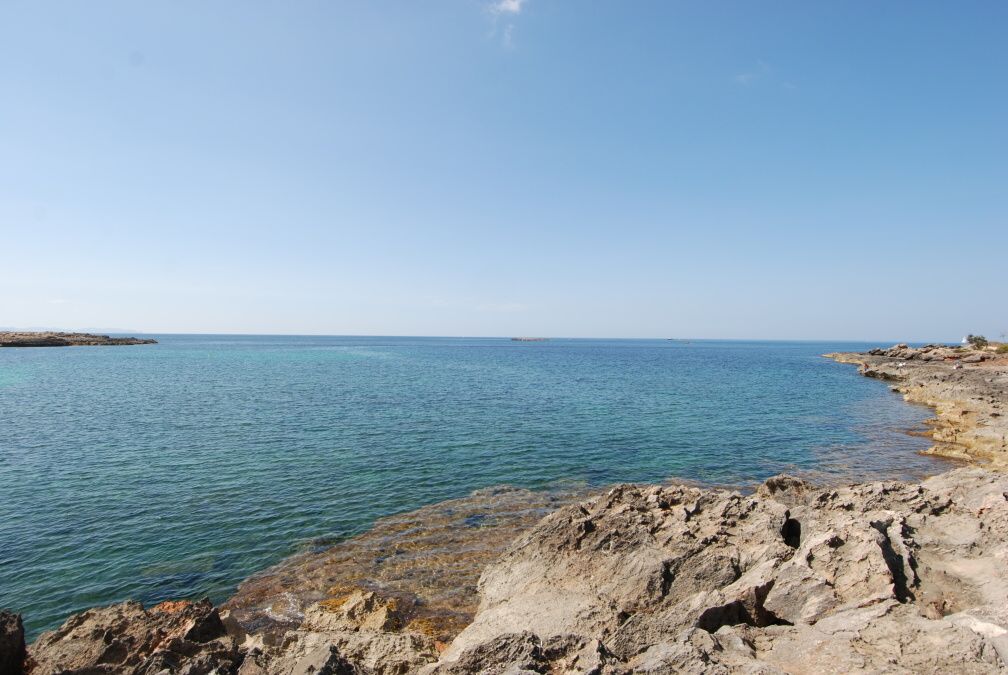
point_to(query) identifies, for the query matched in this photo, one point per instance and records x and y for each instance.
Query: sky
(776, 170)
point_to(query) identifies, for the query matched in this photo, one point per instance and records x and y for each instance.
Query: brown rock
(967, 388)
(668, 579)
(182, 636)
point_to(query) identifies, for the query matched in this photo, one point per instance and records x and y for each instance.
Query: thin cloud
(506, 40)
(509, 9)
(507, 6)
(751, 77)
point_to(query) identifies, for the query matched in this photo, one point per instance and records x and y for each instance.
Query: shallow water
(178, 469)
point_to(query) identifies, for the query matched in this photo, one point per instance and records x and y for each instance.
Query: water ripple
(177, 470)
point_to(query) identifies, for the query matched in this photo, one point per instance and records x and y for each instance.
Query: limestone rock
(967, 387)
(179, 637)
(672, 579)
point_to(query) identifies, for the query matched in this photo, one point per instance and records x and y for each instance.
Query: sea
(177, 470)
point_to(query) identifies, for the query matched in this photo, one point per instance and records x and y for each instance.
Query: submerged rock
(426, 561)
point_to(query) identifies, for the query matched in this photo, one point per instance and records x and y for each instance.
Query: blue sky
(730, 169)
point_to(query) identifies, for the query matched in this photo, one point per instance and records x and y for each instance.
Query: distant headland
(52, 339)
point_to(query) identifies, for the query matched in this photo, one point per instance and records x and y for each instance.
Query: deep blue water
(178, 469)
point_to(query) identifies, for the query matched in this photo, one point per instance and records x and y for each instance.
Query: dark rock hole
(791, 531)
(750, 612)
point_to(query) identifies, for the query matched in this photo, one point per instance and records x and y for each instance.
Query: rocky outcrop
(792, 579)
(46, 339)
(174, 637)
(968, 389)
(880, 577)
(362, 633)
(12, 644)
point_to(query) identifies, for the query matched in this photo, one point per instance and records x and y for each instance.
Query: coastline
(24, 339)
(428, 561)
(661, 578)
(967, 389)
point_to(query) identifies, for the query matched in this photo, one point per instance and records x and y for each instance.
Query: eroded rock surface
(968, 389)
(176, 637)
(876, 577)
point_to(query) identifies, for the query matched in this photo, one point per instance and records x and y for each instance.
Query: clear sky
(531, 167)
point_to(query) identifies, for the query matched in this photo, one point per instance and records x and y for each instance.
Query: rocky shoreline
(880, 577)
(52, 339)
(968, 388)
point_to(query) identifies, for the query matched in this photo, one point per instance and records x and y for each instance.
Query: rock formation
(48, 339)
(183, 637)
(792, 579)
(883, 576)
(968, 389)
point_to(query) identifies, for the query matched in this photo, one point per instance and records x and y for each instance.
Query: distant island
(52, 339)
(528, 339)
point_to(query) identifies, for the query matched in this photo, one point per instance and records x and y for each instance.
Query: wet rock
(439, 552)
(359, 611)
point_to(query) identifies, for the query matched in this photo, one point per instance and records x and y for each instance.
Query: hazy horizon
(506, 168)
(687, 338)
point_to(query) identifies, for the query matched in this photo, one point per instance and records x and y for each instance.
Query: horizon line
(477, 337)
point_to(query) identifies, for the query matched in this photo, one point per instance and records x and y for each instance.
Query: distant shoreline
(53, 339)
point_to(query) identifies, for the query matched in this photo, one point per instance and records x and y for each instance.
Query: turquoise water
(176, 470)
